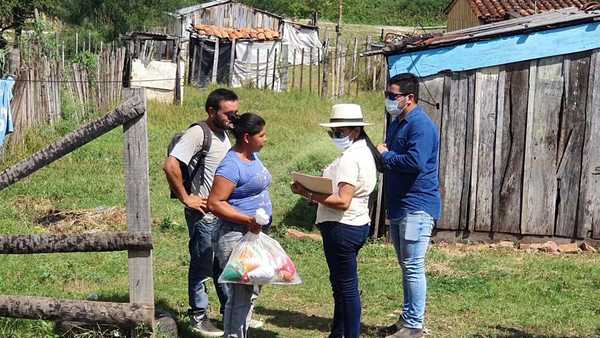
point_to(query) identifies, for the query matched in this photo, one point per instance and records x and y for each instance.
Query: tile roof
(497, 10)
(256, 34)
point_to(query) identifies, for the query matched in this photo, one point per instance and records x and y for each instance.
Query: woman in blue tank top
(240, 188)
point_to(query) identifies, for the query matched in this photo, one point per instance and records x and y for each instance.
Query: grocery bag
(258, 260)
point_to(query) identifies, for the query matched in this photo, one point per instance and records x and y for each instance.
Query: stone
(550, 247)
(585, 246)
(568, 248)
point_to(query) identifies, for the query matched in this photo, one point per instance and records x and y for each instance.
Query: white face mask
(393, 107)
(342, 143)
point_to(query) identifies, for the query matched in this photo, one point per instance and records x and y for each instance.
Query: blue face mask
(342, 143)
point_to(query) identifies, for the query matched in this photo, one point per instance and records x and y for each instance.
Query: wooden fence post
(284, 67)
(274, 69)
(354, 69)
(266, 86)
(215, 62)
(231, 62)
(310, 71)
(319, 71)
(325, 83)
(257, 68)
(177, 98)
(342, 61)
(293, 69)
(141, 283)
(301, 68)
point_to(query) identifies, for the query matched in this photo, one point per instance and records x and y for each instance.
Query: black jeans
(341, 243)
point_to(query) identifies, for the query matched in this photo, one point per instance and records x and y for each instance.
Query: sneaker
(407, 332)
(256, 324)
(202, 325)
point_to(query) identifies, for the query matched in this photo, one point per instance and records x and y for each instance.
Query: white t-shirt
(191, 142)
(355, 166)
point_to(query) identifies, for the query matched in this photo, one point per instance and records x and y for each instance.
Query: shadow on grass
(302, 215)
(302, 321)
(511, 332)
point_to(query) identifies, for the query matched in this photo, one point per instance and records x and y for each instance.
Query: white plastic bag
(258, 260)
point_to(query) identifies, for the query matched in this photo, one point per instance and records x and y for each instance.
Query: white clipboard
(318, 184)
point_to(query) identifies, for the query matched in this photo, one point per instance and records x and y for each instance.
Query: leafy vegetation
(375, 12)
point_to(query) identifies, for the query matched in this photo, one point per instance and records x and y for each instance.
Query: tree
(14, 14)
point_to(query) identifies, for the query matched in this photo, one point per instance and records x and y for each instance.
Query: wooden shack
(519, 122)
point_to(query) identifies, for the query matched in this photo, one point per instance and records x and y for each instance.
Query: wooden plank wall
(236, 15)
(517, 147)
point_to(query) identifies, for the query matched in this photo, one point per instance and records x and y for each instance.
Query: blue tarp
(497, 51)
(6, 123)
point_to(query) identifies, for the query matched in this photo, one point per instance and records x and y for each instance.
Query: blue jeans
(240, 297)
(341, 243)
(411, 236)
(202, 263)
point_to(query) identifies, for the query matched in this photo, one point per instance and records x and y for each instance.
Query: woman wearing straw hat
(343, 216)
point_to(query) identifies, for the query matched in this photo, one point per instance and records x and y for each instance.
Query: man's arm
(175, 178)
(420, 145)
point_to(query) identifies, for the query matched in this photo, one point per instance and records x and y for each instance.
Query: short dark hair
(247, 123)
(215, 98)
(409, 84)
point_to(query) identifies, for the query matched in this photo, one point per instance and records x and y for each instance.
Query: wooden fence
(519, 147)
(328, 71)
(43, 80)
(137, 241)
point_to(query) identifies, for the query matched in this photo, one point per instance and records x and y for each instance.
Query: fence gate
(139, 312)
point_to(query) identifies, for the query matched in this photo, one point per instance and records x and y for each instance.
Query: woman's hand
(252, 226)
(298, 188)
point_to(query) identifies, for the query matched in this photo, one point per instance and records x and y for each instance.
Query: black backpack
(193, 173)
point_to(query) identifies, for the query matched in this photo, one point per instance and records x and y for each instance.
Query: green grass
(471, 294)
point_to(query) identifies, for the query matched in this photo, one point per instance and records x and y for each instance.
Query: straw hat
(345, 115)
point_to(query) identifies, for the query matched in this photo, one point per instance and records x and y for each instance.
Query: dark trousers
(341, 243)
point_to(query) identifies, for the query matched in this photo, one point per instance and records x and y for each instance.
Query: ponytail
(376, 154)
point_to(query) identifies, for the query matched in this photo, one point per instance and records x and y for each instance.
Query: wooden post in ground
(354, 69)
(367, 46)
(284, 67)
(231, 62)
(274, 69)
(342, 62)
(257, 68)
(293, 69)
(301, 68)
(266, 86)
(141, 283)
(177, 98)
(325, 83)
(310, 70)
(375, 64)
(191, 59)
(319, 71)
(215, 62)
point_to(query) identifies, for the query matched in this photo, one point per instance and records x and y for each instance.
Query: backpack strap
(197, 161)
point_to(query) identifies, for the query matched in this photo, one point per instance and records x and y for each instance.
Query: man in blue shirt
(410, 156)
